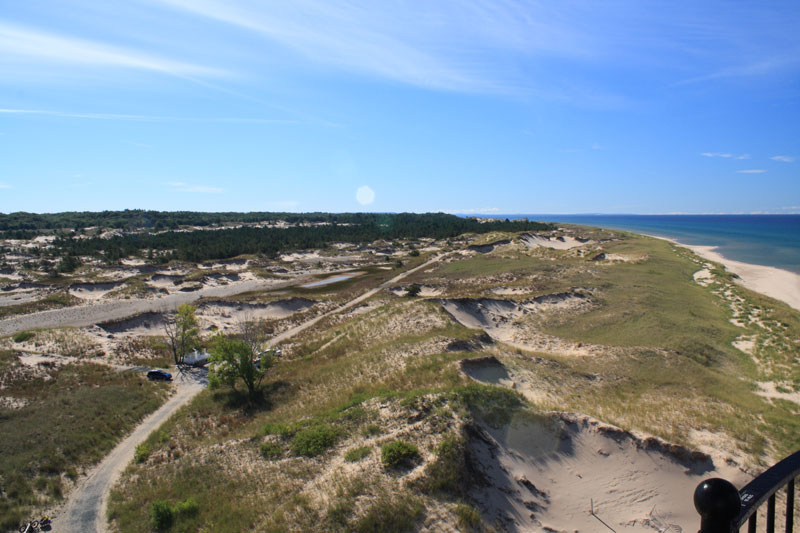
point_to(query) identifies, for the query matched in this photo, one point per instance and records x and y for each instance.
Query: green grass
(270, 450)
(398, 454)
(69, 422)
(356, 454)
(22, 336)
(391, 514)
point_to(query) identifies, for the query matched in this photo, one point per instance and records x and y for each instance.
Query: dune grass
(66, 423)
(670, 369)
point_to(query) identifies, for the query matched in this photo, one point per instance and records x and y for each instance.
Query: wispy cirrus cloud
(28, 44)
(4, 186)
(783, 158)
(142, 118)
(751, 171)
(180, 186)
(725, 155)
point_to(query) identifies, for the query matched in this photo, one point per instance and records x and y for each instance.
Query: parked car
(159, 375)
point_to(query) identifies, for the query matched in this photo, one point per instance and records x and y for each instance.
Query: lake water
(772, 240)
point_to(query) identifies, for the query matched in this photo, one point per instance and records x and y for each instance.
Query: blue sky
(467, 106)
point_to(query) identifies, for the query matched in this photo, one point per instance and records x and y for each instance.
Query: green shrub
(142, 452)
(468, 517)
(314, 440)
(270, 450)
(283, 430)
(398, 453)
(187, 508)
(413, 290)
(161, 515)
(356, 454)
(448, 472)
(22, 336)
(372, 430)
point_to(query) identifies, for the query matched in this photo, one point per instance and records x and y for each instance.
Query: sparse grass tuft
(270, 450)
(142, 452)
(391, 514)
(356, 454)
(469, 519)
(398, 453)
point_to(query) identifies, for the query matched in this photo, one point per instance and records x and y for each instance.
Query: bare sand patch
(769, 389)
(532, 240)
(503, 320)
(703, 277)
(426, 291)
(93, 291)
(548, 472)
(227, 315)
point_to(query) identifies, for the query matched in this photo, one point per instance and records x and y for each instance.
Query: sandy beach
(773, 282)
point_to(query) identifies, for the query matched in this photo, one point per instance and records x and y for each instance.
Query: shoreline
(770, 281)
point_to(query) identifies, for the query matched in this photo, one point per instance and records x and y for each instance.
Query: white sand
(562, 243)
(548, 472)
(774, 282)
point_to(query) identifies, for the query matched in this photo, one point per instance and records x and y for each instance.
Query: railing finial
(718, 503)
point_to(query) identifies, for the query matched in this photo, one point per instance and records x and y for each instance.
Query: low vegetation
(65, 420)
(398, 454)
(387, 378)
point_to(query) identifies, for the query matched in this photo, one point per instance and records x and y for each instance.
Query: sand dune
(547, 473)
(559, 243)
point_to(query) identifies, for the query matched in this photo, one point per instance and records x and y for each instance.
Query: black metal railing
(723, 509)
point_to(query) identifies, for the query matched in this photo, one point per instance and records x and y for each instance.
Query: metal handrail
(723, 509)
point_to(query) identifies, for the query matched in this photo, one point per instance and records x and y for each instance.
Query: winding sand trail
(85, 508)
(355, 301)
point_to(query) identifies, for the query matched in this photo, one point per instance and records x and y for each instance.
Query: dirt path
(85, 509)
(297, 329)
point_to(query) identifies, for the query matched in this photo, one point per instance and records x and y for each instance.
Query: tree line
(227, 243)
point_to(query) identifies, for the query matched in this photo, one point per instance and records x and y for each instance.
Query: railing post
(718, 503)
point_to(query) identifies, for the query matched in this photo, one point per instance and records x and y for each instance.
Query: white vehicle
(196, 358)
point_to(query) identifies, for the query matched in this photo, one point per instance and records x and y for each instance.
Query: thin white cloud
(29, 44)
(141, 118)
(4, 186)
(743, 156)
(752, 171)
(449, 45)
(783, 158)
(716, 154)
(180, 186)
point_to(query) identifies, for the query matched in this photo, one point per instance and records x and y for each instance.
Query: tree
(182, 332)
(413, 290)
(232, 360)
